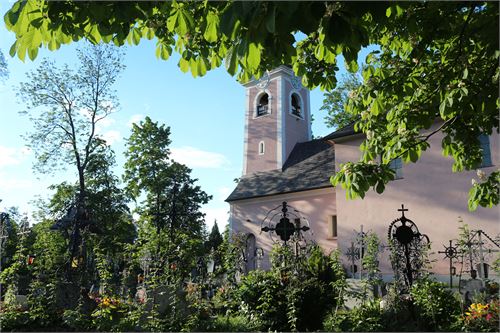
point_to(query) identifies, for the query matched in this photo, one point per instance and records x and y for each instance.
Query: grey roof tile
(308, 167)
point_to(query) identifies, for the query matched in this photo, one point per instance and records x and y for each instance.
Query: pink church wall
(263, 128)
(296, 129)
(315, 205)
(435, 197)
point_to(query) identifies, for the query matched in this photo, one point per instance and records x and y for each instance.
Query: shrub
(436, 306)
(236, 323)
(262, 297)
(365, 318)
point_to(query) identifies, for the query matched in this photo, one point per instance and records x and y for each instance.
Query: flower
(481, 175)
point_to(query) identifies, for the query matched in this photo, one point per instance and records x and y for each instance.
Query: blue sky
(206, 116)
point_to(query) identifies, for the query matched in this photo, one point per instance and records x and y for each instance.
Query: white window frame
(256, 104)
(301, 102)
(262, 148)
(333, 225)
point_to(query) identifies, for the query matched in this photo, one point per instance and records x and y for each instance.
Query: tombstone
(472, 287)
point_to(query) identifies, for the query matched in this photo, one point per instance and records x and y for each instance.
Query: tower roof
(308, 167)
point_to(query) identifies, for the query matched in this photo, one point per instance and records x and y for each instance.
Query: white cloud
(25, 151)
(219, 214)
(223, 193)
(111, 136)
(197, 158)
(105, 122)
(10, 183)
(8, 156)
(13, 156)
(136, 118)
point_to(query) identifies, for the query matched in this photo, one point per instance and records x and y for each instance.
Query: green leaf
(210, 34)
(380, 187)
(172, 21)
(231, 60)
(253, 57)
(13, 48)
(53, 45)
(377, 106)
(201, 66)
(319, 51)
(465, 73)
(184, 65)
(413, 155)
(165, 52)
(388, 12)
(136, 36)
(32, 53)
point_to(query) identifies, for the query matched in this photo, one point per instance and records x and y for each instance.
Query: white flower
(369, 134)
(474, 182)
(481, 175)
(401, 130)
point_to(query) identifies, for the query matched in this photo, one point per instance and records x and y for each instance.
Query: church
(282, 163)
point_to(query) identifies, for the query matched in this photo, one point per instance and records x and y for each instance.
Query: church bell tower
(277, 117)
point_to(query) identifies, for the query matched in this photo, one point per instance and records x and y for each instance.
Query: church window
(332, 227)
(296, 106)
(250, 250)
(263, 105)
(262, 148)
(484, 141)
(397, 166)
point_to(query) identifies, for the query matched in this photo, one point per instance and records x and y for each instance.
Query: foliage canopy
(438, 62)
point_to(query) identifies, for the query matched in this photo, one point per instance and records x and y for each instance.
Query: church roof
(308, 167)
(340, 133)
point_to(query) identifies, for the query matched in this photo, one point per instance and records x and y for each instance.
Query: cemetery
(385, 221)
(304, 289)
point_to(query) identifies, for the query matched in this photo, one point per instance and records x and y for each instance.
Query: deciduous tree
(171, 224)
(66, 106)
(336, 100)
(438, 62)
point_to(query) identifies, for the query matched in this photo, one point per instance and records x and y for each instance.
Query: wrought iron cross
(284, 228)
(403, 210)
(451, 253)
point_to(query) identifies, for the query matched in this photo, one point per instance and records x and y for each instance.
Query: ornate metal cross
(284, 228)
(408, 245)
(450, 252)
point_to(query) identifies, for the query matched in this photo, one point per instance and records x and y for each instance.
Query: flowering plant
(108, 312)
(107, 302)
(482, 317)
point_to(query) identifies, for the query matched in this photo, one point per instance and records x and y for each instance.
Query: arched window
(250, 249)
(262, 148)
(296, 105)
(263, 105)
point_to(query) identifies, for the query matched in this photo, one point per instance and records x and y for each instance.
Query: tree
(171, 223)
(214, 238)
(112, 230)
(438, 62)
(336, 100)
(65, 106)
(4, 71)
